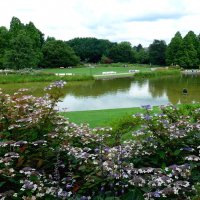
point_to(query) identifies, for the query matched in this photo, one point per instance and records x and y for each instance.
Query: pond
(122, 93)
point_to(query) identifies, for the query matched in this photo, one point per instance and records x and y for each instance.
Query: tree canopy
(21, 53)
(24, 46)
(157, 52)
(4, 38)
(173, 49)
(141, 54)
(122, 52)
(57, 53)
(90, 49)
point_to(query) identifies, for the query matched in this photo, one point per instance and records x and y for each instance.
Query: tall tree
(37, 38)
(188, 54)
(198, 51)
(35, 34)
(157, 52)
(24, 45)
(57, 53)
(173, 49)
(90, 49)
(4, 44)
(138, 47)
(21, 53)
(122, 52)
(15, 26)
(141, 54)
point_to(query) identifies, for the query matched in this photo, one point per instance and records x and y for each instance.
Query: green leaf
(135, 194)
(163, 165)
(177, 152)
(2, 183)
(112, 198)
(162, 154)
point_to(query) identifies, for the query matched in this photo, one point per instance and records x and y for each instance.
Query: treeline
(24, 46)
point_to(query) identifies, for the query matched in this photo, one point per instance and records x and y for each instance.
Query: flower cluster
(44, 156)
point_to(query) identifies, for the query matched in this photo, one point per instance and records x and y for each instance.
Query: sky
(136, 21)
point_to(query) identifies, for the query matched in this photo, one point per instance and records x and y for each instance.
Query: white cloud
(137, 21)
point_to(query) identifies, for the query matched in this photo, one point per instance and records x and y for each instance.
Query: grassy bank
(157, 73)
(105, 117)
(37, 77)
(84, 73)
(98, 69)
(96, 118)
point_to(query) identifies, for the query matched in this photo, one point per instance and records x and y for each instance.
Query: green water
(120, 93)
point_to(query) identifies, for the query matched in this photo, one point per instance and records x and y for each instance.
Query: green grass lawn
(97, 118)
(98, 69)
(40, 77)
(86, 72)
(103, 118)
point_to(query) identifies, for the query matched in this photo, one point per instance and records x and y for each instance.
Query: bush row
(44, 156)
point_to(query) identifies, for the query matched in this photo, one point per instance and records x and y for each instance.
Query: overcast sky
(136, 21)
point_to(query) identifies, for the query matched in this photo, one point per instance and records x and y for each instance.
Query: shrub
(44, 156)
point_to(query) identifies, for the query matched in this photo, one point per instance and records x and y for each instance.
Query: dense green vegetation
(184, 51)
(157, 51)
(57, 53)
(24, 46)
(90, 49)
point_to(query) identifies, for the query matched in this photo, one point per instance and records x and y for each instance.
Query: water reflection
(99, 87)
(173, 88)
(123, 93)
(120, 93)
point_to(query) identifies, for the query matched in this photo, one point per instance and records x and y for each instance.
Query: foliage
(90, 49)
(122, 52)
(42, 155)
(188, 54)
(57, 53)
(157, 52)
(184, 51)
(142, 54)
(24, 46)
(173, 49)
(106, 60)
(21, 53)
(4, 37)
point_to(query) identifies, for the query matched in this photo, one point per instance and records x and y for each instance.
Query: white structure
(63, 74)
(108, 73)
(134, 71)
(191, 71)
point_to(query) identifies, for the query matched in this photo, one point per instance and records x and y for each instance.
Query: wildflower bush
(44, 156)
